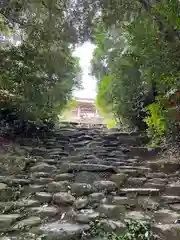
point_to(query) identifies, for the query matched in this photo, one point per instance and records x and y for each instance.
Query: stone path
(81, 174)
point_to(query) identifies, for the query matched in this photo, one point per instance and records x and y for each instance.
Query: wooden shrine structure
(86, 111)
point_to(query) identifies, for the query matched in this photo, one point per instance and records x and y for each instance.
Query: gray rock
(119, 178)
(112, 211)
(136, 182)
(42, 181)
(6, 220)
(62, 186)
(81, 203)
(140, 191)
(137, 215)
(175, 206)
(173, 189)
(77, 157)
(124, 201)
(63, 198)
(148, 203)
(5, 192)
(64, 176)
(157, 185)
(87, 177)
(167, 231)
(35, 175)
(156, 175)
(43, 197)
(166, 216)
(82, 189)
(86, 216)
(81, 143)
(18, 181)
(63, 231)
(73, 167)
(36, 188)
(6, 206)
(43, 167)
(27, 203)
(170, 199)
(44, 211)
(96, 197)
(106, 186)
(28, 222)
(113, 226)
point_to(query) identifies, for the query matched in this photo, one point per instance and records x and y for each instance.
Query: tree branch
(12, 20)
(170, 34)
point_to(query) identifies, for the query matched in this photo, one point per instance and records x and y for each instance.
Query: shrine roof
(85, 100)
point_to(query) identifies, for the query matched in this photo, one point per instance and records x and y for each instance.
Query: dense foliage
(137, 63)
(134, 230)
(38, 70)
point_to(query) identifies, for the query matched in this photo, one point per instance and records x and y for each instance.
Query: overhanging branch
(169, 34)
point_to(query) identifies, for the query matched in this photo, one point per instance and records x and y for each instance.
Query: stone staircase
(79, 174)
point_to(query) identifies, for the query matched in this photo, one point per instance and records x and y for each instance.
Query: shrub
(135, 230)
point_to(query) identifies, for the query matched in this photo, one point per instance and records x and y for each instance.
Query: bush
(162, 122)
(135, 230)
(156, 122)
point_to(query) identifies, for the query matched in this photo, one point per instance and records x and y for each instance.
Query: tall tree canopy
(136, 60)
(39, 73)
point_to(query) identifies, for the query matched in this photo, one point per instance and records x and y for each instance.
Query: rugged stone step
(63, 231)
(27, 223)
(139, 191)
(167, 231)
(73, 167)
(6, 220)
(80, 174)
(144, 153)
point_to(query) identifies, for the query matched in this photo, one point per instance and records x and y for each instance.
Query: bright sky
(84, 52)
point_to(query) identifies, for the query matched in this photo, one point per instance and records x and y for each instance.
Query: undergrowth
(134, 230)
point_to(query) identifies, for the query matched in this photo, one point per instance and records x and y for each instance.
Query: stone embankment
(77, 175)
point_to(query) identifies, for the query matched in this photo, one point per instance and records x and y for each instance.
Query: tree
(40, 73)
(141, 59)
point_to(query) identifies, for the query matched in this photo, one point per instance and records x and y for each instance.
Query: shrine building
(86, 110)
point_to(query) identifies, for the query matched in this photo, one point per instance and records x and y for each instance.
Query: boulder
(82, 189)
(96, 197)
(108, 225)
(5, 192)
(62, 186)
(27, 222)
(106, 186)
(81, 203)
(63, 198)
(64, 177)
(43, 167)
(119, 178)
(44, 211)
(112, 211)
(167, 231)
(63, 231)
(6, 220)
(75, 167)
(173, 189)
(137, 216)
(166, 216)
(86, 216)
(43, 197)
